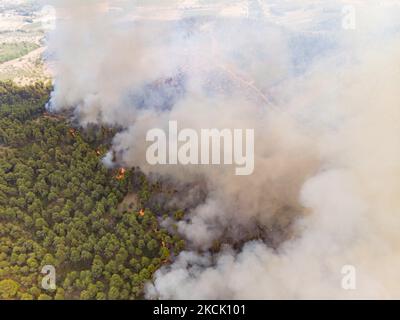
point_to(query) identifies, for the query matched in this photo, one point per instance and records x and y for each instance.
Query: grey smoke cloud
(324, 190)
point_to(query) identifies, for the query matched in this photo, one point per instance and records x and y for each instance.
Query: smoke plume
(323, 100)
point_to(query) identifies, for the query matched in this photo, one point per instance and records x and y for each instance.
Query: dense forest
(60, 206)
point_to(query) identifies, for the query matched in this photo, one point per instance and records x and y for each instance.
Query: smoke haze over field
(324, 104)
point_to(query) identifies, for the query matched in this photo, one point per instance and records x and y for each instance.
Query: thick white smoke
(323, 101)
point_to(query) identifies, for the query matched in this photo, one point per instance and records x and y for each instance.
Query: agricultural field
(22, 42)
(11, 51)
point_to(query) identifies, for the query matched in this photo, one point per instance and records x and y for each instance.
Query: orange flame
(72, 132)
(121, 174)
(98, 152)
(141, 213)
